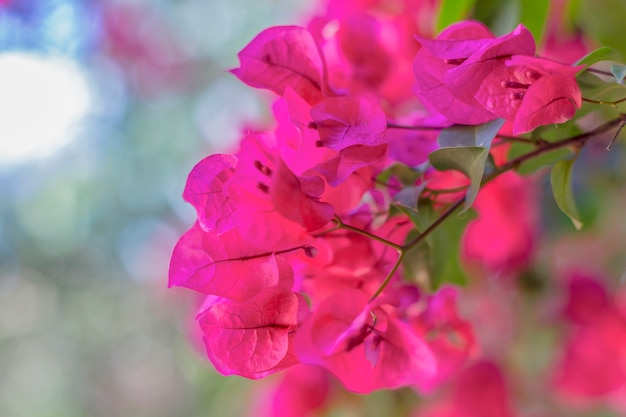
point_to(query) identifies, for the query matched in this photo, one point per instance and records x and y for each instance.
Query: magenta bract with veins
(531, 91)
(466, 79)
(281, 57)
(225, 265)
(205, 190)
(450, 337)
(364, 347)
(252, 337)
(450, 49)
(346, 121)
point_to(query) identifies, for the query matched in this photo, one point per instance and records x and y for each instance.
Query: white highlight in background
(41, 101)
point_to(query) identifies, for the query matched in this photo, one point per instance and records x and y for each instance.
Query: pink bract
(363, 352)
(345, 121)
(252, 338)
(225, 265)
(205, 191)
(531, 91)
(281, 57)
(450, 49)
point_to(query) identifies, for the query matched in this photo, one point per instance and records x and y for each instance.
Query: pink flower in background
(502, 239)
(301, 391)
(592, 363)
(479, 391)
(450, 337)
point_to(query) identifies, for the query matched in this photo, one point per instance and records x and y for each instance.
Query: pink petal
(291, 201)
(350, 159)
(346, 121)
(205, 191)
(281, 57)
(450, 337)
(364, 355)
(502, 239)
(251, 338)
(465, 80)
(551, 99)
(359, 39)
(225, 265)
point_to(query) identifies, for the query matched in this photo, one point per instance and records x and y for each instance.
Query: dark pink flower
(450, 337)
(502, 239)
(301, 391)
(363, 346)
(466, 79)
(225, 265)
(592, 364)
(205, 190)
(455, 45)
(252, 337)
(345, 121)
(479, 391)
(281, 57)
(531, 91)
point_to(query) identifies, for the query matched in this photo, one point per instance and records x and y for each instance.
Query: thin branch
(342, 225)
(389, 276)
(405, 127)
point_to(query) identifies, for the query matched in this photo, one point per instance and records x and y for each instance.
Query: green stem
(402, 254)
(405, 127)
(578, 141)
(342, 225)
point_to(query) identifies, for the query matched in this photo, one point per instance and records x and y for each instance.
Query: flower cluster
(472, 77)
(316, 242)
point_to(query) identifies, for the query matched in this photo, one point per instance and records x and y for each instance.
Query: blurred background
(105, 106)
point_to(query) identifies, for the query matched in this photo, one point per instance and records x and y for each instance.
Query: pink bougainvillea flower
(479, 391)
(349, 160)
(140, 40)
(263, 188)
(252, 338)
(297, 198)
(364, 347)
(359, 40)
(592, 364)
(346, 121)
(206, 192)
(225, 265)
(455, 45)
(284, 56)
(502, 239)
(347, 172)
(465, 80)
(531, 91)
(301, 391)
(450, 337)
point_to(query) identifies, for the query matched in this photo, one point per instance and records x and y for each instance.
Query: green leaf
(466, 149)
(618, 71)
(452, 11)
(533, 15)
(437, 258)
(603, 53)
(561, 181)
(408, 197)
(404, 173)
